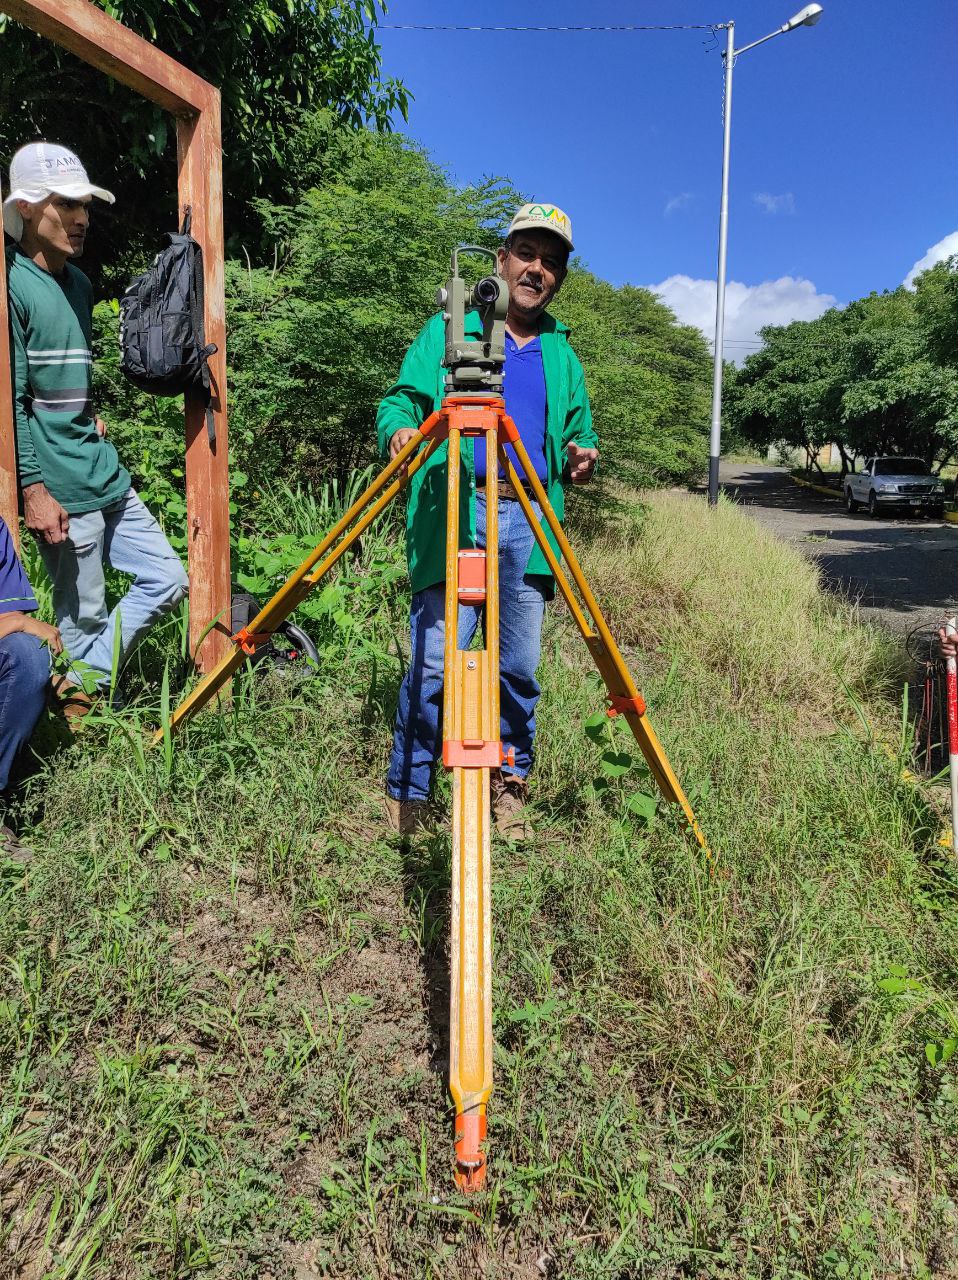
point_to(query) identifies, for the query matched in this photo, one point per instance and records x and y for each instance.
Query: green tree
(789, 392)
(863, 377)
(647, 375)
(936, 306)
(316, 336)
(273, 60)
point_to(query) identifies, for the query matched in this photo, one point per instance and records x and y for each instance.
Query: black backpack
(163, 348)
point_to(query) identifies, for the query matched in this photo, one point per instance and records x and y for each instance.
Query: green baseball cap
(543, 217)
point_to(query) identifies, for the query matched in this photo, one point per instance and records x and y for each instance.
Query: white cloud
(748, 307)
(680, 201)
(785, 203)
(937, 253)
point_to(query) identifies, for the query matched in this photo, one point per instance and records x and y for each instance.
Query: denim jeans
(417, 737)
(126, 536)
(24, 675)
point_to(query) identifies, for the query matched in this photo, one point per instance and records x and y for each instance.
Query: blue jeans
(24, 675)
(126, 536)
(417, 737)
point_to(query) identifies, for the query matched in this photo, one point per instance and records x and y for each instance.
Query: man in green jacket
(545, 394)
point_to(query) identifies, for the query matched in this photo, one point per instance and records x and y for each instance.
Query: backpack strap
(197, 304)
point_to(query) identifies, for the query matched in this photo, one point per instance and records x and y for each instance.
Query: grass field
(223, 1004)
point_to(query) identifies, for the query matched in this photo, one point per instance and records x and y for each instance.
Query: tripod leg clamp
(250, 641)
(618, 705)
(475, 753)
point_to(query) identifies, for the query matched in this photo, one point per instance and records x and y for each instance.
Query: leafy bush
(315, 338)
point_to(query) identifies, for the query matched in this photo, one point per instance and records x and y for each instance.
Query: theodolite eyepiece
(474, 363)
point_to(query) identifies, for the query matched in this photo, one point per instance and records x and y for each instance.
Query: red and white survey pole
(951, 665)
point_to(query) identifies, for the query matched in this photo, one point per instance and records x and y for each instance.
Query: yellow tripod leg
(471, 748)
(624, 695)
(315, 567)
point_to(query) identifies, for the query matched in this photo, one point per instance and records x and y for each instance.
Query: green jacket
(419, 390)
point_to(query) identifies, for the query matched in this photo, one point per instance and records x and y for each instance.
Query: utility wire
(431, 26)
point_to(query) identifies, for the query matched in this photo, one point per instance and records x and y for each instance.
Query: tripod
(472, 746)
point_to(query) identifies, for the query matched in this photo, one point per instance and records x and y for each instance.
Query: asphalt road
(902, 572)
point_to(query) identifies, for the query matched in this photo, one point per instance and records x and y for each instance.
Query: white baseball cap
(543, 217)
(42, 169)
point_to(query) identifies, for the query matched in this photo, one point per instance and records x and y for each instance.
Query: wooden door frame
(86, 31)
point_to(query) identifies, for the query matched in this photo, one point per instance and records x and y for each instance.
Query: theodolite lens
(486, 289)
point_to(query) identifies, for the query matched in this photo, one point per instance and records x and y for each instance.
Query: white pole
(951, 630)
(715, 437)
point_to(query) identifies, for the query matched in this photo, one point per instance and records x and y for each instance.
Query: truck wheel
(937, 512)
(872, 505)
(850, 504)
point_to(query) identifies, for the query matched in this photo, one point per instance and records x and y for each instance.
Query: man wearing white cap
(77, 498)
(544, 391)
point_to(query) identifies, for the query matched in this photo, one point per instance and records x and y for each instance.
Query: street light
(806, 17)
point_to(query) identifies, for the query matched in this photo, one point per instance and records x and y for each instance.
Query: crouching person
(25, 647)
(77, 497)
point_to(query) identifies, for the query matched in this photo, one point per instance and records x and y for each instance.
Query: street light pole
(715, 435)
(806, 17)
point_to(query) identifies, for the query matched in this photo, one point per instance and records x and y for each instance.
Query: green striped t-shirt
(51, 326)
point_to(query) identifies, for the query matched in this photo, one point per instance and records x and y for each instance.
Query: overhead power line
(443, 26)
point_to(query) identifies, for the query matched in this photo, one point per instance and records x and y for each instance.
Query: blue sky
(843, 142)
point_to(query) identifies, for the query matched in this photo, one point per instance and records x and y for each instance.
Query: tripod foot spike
(470, 1160)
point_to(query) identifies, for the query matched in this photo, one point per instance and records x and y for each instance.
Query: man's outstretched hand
(43, 515)
(582, 463)
(949, 644)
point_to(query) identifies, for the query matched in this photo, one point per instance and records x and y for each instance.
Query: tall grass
(223, 1016)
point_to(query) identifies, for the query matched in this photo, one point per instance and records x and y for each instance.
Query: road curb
(819, 488)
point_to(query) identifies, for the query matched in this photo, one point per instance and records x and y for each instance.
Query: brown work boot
(510, 798)
(408, 817)
(12, 849)
(69, 701)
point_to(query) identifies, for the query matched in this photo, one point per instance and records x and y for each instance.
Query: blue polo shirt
(524, 391)
(16, 594)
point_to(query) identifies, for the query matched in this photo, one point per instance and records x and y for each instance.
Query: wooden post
(106, 44)
(207, 466)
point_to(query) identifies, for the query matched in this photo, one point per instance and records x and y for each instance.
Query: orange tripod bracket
(472, 577)
(620, 705)
(475, 753)
(250, 641)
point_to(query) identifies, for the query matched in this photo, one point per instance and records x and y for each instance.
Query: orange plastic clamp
(472, 577)
(250, 641)
(508, 429)
(430, 422)
(619, 705)
(476, 753)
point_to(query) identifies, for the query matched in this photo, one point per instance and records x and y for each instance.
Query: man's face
(533, 268)
(57, 224)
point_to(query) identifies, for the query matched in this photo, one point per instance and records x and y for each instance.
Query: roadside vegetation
(879, 376)
(223, 1016)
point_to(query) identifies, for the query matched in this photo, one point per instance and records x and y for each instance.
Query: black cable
(436, 26)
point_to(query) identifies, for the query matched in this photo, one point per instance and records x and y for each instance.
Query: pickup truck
(890, 483)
